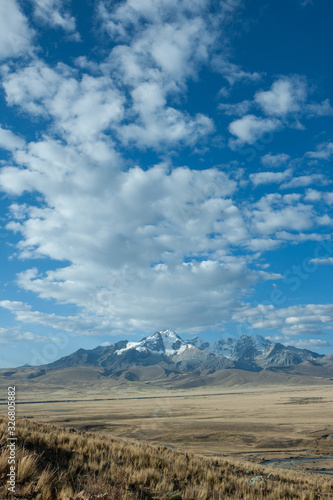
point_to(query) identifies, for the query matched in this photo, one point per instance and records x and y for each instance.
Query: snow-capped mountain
(176, 355)
(244, 347)
(164, 342)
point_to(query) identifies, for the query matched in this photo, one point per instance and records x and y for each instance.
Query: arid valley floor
(247, 422)
(254, 422)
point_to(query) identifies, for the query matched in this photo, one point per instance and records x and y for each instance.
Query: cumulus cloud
(9, 140)
(286, 95)
(274, 212)
(162, 45)
(293, 320)
(289, 95)
(130, 235)
(12, 336)
(170, 126)
(54, 14)
(13, 305)
(135, 234)
(250, 128)
(313, 195)
(283, 105)
(324, 151)
(323, 108)
(16, 37)
(127, 237)
(270, 177)
(159, 40)
(81, 108)
(84, 107)
(305, 180)
(301, 237)
(274, 160)
(142, 244)
(310, 344)
(74, 324)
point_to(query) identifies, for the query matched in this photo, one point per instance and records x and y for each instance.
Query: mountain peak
(168, 333)
(167, 349)
(164, 342)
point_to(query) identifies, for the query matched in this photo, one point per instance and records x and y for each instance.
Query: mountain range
(166, 360)
(170, 351)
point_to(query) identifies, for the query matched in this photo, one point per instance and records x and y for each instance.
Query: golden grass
(54, 463)
(258, 421)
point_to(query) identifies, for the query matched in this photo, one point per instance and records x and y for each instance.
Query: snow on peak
(164, 342)
(260, 343)
(169, 343)
(198, 342)
(234, 348)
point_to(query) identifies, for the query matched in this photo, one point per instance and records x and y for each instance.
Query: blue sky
(164, 164)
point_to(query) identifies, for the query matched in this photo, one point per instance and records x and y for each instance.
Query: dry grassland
(262, 422)
(54, 463)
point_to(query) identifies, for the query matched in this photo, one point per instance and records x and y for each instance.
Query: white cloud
(305, 180)
(13, 305)
(274, 212)
(160, 39)
(9, 140)
(324, 152)
(135, 234)
(286, 95)
(301, 237)
(12, 336)
(263, 244)
(274, 160)
(31, 87)
(320, 109)
(284, 104)
(328, 197)
(81, 108)
(232, 72)
(53, 13)
(240, 108)
(15, 34)
(179, 292)
(260, 178)
(250, 128)
(84, 108)
(141, 246)
(163, 44)
(127, 236)
(294, 320)
(313, 195)
(169, 126)
(310, 344)
(322, 262)
(75, 324)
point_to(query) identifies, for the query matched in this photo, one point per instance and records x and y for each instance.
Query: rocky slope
(174, 354)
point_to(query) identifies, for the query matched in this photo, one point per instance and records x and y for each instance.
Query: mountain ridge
(166, 360)
(167, 349)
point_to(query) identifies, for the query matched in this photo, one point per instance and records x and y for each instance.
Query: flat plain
(242, 425)
(252, 422)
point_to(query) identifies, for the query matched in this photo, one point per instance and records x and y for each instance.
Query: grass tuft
(56, 464)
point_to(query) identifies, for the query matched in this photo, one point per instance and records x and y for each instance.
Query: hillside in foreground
(54, 463)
